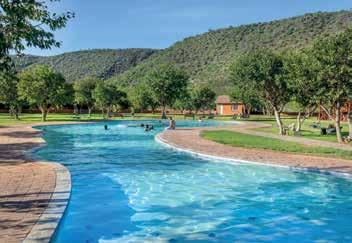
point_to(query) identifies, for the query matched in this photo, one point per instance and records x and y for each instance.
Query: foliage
(26, 23)
(167, 83)
(203, 98)
(184, 102)
(100, 63)
(208, 57)
(8, 92)
(40, 85)
(141, 97)
(301, 74)
(262, 71)
(333, 57)
(107, 96)
(247, 94)
(83, 92)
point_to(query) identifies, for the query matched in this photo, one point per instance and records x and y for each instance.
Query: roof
(225, 99)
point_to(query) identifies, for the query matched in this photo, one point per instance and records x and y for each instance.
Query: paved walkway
(26, 186)
(25, 193)
(190, 139)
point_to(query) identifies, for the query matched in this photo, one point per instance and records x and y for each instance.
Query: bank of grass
(27, 118)
(237, 139)
(307, 131)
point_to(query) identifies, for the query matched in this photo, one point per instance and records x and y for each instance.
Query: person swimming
(149, 127)
(142, 125)
(106, 127)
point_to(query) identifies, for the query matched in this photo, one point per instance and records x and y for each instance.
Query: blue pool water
(129, 188)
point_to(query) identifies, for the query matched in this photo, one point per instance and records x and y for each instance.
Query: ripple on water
(127, 188)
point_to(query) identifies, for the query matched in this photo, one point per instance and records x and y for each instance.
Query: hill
(103, 63)
(207, 57)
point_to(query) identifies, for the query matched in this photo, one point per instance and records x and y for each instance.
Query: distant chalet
(227, 107)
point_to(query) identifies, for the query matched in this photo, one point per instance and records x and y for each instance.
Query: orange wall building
(226, 107)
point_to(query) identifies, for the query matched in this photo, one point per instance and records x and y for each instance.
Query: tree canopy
(40, 85)
(84, 92)
(27, 24)
(333, 58)
(263, 71)
(107, 96)
(167, 84)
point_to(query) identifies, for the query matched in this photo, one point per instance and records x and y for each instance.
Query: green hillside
(102, 63)
(207, 57)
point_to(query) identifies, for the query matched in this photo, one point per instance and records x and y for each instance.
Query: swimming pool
(128, 188)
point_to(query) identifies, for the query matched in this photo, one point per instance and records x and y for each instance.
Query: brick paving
(26, 189)
(190, 139)
(26, 186)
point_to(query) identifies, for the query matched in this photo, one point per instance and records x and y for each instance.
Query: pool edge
(166, 143)
(47, 224)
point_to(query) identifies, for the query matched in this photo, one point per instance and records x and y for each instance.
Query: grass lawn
(307, 131)
(250, 141)
(26, 118)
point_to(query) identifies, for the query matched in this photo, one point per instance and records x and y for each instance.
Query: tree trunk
(163, 115)
(14, 110)
(108, 110)
(338, 122)
(44, 111)
(279, 121)
(89, 111)
(299, 122)
(249, 109)
(350, 123)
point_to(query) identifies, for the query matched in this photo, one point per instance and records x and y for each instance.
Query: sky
(160, 23)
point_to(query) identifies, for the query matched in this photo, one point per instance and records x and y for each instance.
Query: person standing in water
(172, 124)
(106, 127)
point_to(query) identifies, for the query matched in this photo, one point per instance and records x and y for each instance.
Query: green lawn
(6, 119)
(307, 131)
(250, 141)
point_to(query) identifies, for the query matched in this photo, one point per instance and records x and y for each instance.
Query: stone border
(45, 227)
(167, 144)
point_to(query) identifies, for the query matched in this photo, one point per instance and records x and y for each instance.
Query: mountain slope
(207, 57)
(102, 63)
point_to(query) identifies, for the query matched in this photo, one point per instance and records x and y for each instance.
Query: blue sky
(160, 23)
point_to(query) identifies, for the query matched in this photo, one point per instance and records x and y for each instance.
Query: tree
(67, 96)
(141, 97)
(26, 23)
(184, 102)
(247, 95)
(203, 98)
(84, 92)
(106, 96)
(301, 75)
(40, 85)
(168, 84)
(8, 93)
(333, 58)
(262, 71)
